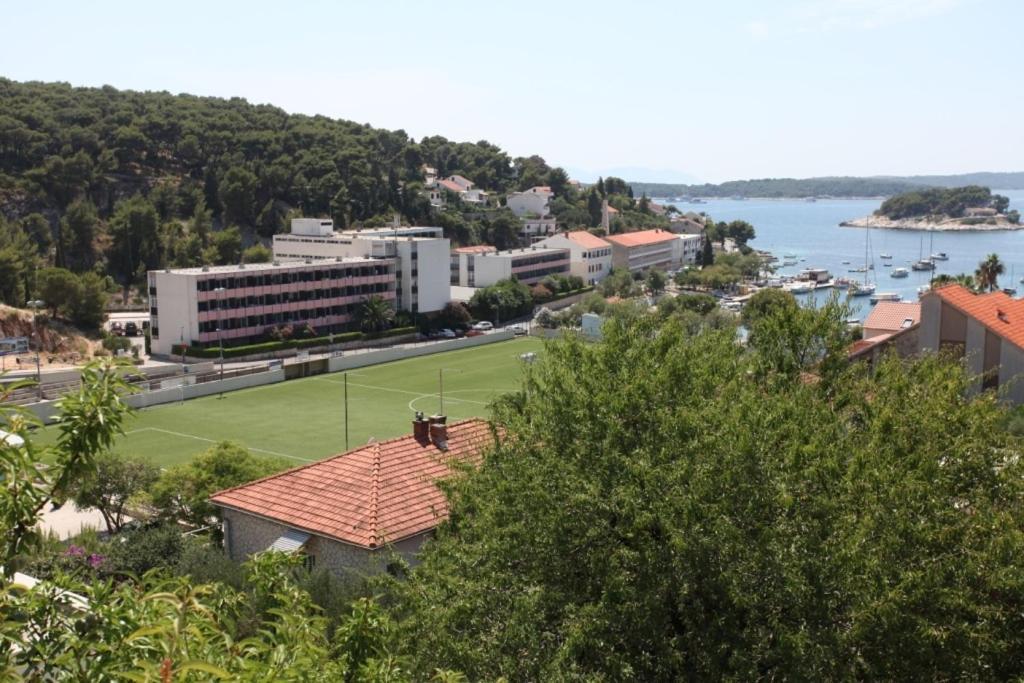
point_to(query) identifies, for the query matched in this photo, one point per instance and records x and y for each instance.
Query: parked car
(131, 329)
(519, 330)
(446, 334)
(483, 326)
(116, 329)
(474, 333)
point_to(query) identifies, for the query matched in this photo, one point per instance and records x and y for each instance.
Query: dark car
(131, 329)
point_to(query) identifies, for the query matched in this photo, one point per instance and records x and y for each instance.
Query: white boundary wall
(361, 360)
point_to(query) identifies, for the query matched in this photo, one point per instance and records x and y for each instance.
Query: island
(946, 209)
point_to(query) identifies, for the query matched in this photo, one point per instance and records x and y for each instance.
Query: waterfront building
(639, 251)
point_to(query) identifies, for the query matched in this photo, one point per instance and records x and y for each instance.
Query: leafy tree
(38, 230)
(988, 272)
(455, 314)
(962, 279)
(767, 302)
(226, 246)
(503, 300)
(656, 281)
(257, 253)
(237, 195)
(594, 206)
(59, 289)
(656, 508)
(375, 314)
(111, 484)
(740, 232)
(79, 230)
(134, 238)
(87, 308)
(182, 492)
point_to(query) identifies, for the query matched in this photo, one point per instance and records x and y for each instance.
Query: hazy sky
(712, 90)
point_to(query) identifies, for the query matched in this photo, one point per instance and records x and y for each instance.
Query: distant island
(844, 187)
(958, 208)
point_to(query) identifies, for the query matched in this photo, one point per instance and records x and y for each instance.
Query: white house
(532, 202)
(590, 257)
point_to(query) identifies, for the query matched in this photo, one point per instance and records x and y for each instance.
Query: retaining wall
(387, 355)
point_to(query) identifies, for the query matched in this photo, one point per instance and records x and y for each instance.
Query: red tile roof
(893, 315)
(642, 238)
(376, 494)
(586, 239)
(995, 310)
(449, 185)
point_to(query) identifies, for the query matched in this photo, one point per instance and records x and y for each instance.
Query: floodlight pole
(35, 304)
(345, 375)
(220, 334)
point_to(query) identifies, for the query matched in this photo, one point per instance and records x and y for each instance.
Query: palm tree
(375, 315)
(988, 272)
(964, 280)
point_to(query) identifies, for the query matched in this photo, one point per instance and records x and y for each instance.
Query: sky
(671, 91)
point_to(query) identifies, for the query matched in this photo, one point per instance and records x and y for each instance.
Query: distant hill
(832, 186)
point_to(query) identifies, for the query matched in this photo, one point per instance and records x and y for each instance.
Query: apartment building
(239, 304)
(590, 257)
(638, 251)
(463, 269)
(421, 252)
(529, 265)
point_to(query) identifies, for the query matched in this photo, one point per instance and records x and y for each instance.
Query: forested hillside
(118, 182)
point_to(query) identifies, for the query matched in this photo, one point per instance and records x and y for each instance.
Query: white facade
(639, 251)
(531, 202)
(689, 248)
(590, 257)
(530, 265)
(422, 253)
(534, 229)
(239, 304)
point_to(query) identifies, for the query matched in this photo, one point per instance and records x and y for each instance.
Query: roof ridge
(374, 497)
(329, 458)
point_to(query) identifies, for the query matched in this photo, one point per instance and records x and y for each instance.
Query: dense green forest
(114, 183)
(878, 186)
(950, 202)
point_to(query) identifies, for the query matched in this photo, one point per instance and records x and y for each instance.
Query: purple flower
(95, 560)
(75, 551)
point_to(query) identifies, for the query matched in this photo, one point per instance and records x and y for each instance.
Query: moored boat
(885, 296)
(899, 272)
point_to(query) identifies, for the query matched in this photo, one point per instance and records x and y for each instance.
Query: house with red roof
(590, 257)
(351, 511)
(986, 330)
(891, 325)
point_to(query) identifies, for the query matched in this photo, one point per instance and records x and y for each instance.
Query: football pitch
(303, 420)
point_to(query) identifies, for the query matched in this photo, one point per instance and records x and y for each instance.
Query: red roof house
(342, 511)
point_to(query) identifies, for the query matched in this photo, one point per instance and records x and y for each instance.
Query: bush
(139, 550)
(115, 344)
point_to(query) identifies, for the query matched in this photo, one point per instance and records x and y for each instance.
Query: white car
(483, 326)
(518, 330)
(446, 334)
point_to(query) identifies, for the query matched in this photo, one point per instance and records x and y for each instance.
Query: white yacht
(899, 272)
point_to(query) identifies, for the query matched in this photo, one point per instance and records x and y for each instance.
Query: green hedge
(271, 346)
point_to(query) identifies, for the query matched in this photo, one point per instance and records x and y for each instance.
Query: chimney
(439, 431)
(421, 428)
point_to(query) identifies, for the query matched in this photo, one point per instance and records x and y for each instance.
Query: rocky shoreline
(934, 223)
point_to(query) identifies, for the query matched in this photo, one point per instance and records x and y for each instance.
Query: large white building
(638, 251)
(590, 257)
(529, 265)
(421, 252)
(201, 307)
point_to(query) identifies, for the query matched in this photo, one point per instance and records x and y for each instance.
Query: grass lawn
(304, 420)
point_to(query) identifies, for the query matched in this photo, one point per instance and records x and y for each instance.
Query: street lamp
(220, 334)
(35, 305)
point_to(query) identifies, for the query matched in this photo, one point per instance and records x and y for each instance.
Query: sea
(811, 232)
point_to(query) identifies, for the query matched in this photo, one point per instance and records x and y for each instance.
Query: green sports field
(303, 420)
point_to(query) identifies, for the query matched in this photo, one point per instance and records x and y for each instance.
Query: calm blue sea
(811, 231)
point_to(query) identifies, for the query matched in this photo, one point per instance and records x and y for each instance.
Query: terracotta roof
(476, 249)
(893, 315)
(376, 494)
(585, 239)
(449, 185)
(612, 209)
(995, 310)
(641, 238)
(540, 188)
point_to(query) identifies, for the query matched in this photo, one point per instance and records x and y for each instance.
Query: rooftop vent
(1001, 314)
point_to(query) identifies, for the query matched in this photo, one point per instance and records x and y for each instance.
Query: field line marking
(399, 391)
(200, 438)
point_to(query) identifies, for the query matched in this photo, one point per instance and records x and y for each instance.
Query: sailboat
(922, 263)
(866, 289)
